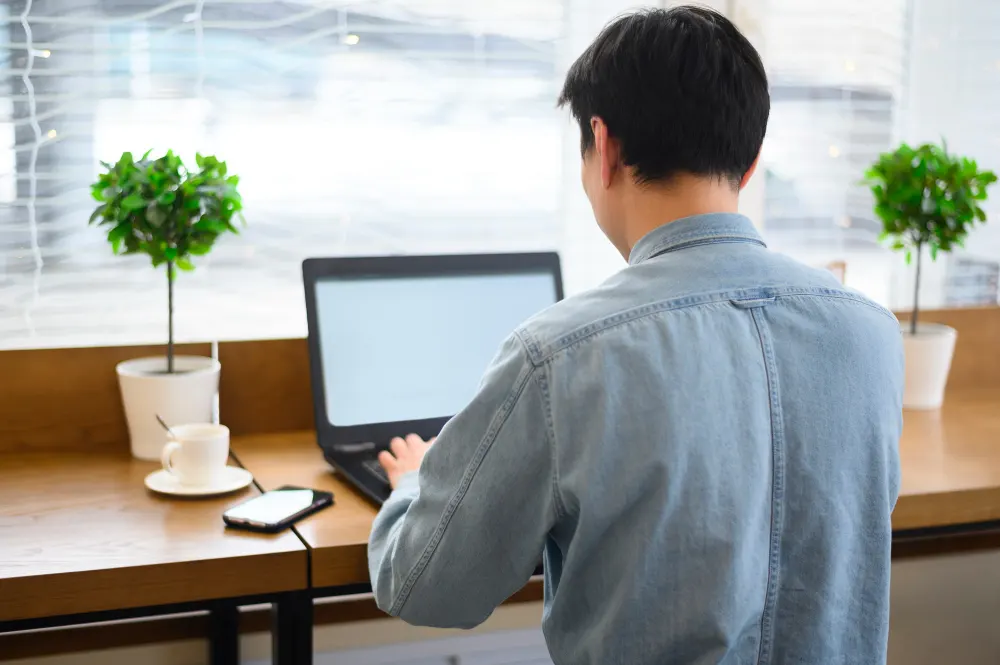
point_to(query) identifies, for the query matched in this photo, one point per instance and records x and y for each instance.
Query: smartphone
(276, 509)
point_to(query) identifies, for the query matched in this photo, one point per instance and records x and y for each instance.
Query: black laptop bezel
(335, 439)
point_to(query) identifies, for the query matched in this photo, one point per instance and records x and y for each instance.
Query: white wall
(588, 257)
(952, 92)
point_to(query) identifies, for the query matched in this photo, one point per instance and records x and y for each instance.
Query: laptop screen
(397, 348)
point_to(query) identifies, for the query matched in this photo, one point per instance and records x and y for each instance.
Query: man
(704, 447)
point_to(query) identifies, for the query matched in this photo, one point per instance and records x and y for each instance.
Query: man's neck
(651, 207)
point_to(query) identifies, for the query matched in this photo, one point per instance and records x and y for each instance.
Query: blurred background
(420, 126)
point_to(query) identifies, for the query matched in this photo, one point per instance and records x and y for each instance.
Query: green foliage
(160, 208)
(924, 196)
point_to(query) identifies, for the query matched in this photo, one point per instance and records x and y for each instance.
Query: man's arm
(455, 541)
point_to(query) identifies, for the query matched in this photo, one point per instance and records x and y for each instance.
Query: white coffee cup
(198, 453)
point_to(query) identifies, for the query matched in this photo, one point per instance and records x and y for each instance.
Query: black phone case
(325, 499)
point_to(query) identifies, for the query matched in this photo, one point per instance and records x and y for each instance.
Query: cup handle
(165, 458)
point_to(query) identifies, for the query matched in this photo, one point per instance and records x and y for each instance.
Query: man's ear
(749, 173)
(608, 151)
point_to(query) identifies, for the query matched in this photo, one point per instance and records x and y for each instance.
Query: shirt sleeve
(458, 538)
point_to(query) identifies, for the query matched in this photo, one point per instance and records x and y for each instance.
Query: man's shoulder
(578, 316)
(631, 294)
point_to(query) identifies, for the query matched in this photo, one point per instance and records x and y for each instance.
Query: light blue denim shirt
(704, 449)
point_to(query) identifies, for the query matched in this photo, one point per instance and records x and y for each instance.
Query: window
(356, 127)
(836, 78)
(412, 126)
(952, 91)
(850, 81)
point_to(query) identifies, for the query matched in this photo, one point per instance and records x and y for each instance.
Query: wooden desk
(98, 540)
(337, 536)
(950, 461)
(79, 533)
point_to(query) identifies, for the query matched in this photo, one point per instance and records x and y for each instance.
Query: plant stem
(916, 293)
(170, 317)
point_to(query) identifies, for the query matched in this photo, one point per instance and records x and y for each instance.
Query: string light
(29, 86)
(352, 40)
(197, 17)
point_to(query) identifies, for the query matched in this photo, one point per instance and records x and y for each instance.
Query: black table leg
(292, 629)
(224, 633)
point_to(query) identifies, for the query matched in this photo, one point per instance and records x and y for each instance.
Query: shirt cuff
(408, 483)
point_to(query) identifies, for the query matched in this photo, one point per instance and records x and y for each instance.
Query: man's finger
(414, 440)
(398, 447)
(387, 460)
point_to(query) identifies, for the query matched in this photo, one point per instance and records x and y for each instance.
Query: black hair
(681, 89)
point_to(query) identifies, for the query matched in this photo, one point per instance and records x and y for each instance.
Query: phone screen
(276, 505)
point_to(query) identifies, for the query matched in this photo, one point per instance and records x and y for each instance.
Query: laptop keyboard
(375, 468)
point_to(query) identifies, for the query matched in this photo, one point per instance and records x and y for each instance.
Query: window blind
(849, 81)
(356, 127)
(406, 126)
(952, 92)
(837, 73)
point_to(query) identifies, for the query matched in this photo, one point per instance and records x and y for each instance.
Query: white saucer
(230, 480)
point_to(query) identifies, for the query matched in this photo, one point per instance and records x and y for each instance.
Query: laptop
(399, 344)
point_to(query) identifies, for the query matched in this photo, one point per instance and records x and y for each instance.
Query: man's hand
(406, 456)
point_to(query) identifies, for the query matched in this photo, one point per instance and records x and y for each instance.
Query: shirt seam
(550, 437)
(777, 492)
(581, 334)
(496, 425)
(531, 347)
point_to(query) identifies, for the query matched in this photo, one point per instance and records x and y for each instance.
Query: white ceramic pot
(186, 396)
(928, 361)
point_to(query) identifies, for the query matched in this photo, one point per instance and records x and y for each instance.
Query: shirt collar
(696, 230)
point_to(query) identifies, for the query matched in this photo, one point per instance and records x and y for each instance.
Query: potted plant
(160, 208)
(927, 199)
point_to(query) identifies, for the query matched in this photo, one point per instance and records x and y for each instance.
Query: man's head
(667, 101)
